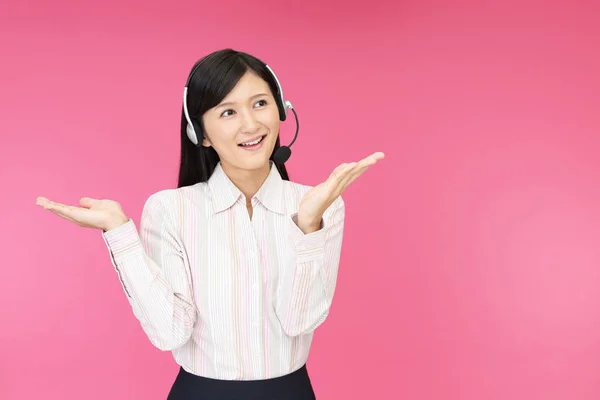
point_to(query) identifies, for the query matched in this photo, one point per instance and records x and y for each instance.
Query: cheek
(275, 131)
(219, 134)
(276, 127)
(274, 123)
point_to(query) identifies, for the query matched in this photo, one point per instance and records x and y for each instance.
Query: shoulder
(296, 188)
(169, 196)
(171, 201)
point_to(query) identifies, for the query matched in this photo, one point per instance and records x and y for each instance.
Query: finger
(51, 205)
(340, 173)
(372, 159)
(337, 181)
(87, 202)
(375, 156)
(352, 176)
(40, 201)
(66, 216)
(359, 169)
(45, 202)
(346, 173)
(70, 213)
(369, 160)
(365, 163)
(61, 210)
(379, 155)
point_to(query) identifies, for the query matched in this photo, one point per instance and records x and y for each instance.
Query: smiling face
(243, 128)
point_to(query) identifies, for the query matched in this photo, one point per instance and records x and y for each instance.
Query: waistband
(293, 386)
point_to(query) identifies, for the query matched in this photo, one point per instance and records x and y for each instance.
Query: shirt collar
(225, 194)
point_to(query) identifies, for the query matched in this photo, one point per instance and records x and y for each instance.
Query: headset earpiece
(191, 130)
(191, 133)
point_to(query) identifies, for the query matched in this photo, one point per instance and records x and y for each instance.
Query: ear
(205, 141)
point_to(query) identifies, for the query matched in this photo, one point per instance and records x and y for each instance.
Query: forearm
(308, 226)
(305, 298)
(307, 285)
(166, 317)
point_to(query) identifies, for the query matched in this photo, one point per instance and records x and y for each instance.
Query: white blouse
(232, 297)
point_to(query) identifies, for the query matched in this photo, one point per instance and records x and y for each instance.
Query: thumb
(87, 202)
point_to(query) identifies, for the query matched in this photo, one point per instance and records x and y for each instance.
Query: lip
(253, 147)
(252, 139)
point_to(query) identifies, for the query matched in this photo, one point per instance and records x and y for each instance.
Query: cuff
(123, 240)
(309, 247)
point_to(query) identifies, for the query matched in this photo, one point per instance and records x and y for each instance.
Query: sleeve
(154, 275)
(307, 285)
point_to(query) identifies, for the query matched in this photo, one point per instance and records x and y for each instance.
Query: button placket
(256, 257)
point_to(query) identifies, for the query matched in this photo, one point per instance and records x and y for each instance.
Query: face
(243, 128)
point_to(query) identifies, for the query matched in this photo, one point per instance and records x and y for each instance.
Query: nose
(249, 122)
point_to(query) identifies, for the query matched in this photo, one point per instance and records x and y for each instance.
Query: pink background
(471, 265)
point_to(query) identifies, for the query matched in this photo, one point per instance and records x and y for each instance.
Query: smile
(252, 144)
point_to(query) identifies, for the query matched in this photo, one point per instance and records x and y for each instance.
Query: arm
(154, 275)
(307, 285)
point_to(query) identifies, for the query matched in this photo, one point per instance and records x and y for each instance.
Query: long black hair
(214, 76)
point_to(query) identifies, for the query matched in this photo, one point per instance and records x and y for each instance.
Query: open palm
(93, 213)
(319, 198)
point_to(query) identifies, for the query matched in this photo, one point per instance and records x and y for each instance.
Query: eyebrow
(229, 103)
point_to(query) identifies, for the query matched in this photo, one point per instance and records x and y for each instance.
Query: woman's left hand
(318, 199)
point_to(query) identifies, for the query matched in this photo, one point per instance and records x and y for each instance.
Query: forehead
(249, 85)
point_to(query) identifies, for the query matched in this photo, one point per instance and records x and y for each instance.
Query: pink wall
(471, 266)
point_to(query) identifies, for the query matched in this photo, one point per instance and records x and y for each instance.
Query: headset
(194, 128)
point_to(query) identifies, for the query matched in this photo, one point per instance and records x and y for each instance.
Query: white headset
(193, 127)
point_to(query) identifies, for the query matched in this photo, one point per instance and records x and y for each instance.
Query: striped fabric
(232, 297)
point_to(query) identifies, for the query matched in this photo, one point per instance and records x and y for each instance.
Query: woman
(235, 269)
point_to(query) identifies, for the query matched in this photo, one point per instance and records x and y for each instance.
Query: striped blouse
(231, 297)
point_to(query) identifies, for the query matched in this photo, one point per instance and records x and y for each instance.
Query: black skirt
(294, 386)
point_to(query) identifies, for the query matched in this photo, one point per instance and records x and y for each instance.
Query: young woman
(235, 269)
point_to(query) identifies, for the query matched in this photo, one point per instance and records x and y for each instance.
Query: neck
(247, 181)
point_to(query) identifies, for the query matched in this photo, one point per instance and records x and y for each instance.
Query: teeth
(257, 141)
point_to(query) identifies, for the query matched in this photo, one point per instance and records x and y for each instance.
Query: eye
(261, 103)
(226, 113)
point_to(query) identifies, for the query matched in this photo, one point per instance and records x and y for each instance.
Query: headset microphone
(281, 155)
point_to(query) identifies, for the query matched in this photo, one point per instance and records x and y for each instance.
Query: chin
(251, 163)
(257, 164)
(254, 159)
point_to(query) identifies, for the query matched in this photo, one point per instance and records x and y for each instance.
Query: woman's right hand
(93, 213)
